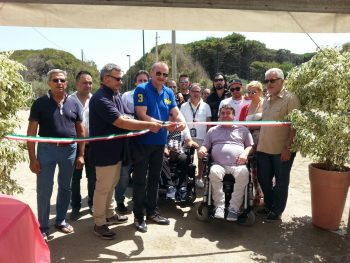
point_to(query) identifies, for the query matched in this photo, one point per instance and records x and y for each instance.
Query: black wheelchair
(177, 180)
(205, 209)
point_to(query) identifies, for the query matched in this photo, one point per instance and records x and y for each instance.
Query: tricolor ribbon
(17, 137)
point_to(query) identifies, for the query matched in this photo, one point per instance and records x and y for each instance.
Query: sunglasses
(143, 80)
(252, 92)
(158, 74)
(59, 80)
(235, 89)
(183, 81)
(195, 91)
(271, 80)
(117, 79)
(217, 80)
(172, 87)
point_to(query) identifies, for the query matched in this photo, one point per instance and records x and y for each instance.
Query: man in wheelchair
(230, 146)
(178, 170)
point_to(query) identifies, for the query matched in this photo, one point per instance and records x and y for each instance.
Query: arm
(79, 162)
(33, 161)
(243, 157)
(176, 116)
(130, 124)
(286, 151)
(202, 152)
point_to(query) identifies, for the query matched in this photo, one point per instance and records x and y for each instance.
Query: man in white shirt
(196, 110)
(83, 83)
(236, 101)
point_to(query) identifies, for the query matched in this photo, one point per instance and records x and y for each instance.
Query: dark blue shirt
(158, 106)
(105, 107)
(55, 120)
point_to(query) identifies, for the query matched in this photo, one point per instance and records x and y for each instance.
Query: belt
(63, 144)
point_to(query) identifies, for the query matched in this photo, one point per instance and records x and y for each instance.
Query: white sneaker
(199, 183)
(219, 213)
(232, 215)
(170, 193)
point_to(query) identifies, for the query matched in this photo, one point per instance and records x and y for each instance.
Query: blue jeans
(50, 155)
(149, 167)
(270, 166)
(91, 181)
(120, 189)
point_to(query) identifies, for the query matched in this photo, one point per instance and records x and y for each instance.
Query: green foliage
(322, 123)
(14, 94)
(39, 62)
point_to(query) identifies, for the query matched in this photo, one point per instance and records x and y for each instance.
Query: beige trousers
(107, 178)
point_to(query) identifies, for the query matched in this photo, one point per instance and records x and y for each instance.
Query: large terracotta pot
(329, 190)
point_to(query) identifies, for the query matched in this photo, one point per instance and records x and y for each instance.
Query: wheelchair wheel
(247, 219)
(202, 211)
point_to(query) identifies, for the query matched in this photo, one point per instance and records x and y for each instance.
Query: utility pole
(143, 47)
(173, 63)
(82, 57)
(156, 46)
(129, 75)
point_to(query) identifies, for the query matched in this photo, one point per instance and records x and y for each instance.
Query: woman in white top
(253, 112)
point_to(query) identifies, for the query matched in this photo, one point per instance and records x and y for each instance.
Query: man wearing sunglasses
(184, 82)
(153, 102)
(274, 155)
(108, 115)
(236, 101)
(56, 115)
(218, 94)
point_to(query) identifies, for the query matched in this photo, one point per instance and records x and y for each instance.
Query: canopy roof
(297, 16)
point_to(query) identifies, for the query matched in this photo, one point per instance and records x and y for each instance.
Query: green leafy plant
(14, 94)
(323, 122)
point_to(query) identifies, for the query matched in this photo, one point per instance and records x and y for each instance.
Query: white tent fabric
(170, 18)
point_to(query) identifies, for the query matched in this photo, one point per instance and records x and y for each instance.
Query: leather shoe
(160, 220)
(273, 217)
(140, 225)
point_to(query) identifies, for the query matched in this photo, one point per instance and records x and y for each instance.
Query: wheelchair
(181, 180)
(205, 209)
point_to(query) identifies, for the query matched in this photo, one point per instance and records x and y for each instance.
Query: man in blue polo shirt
(56, 115)
(107, 116)
(153, 102)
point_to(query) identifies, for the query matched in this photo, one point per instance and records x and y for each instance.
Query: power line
(43, 36)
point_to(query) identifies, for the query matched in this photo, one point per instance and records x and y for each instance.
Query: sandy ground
(294, 239)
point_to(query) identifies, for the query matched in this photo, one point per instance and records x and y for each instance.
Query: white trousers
(241, 175)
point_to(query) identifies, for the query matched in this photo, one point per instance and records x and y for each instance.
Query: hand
(166, 152)
(79, 163)
(202, 153)
(35, 166)
(192, 144)
(242, 159)
(155, 127)
(285, 154)
(171, 126)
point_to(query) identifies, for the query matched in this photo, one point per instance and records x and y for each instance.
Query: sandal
(66, 228)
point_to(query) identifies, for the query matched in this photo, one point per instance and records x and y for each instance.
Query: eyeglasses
(142, 80)
(217, 80)
(165, 75)
(235, 89)
(266, 81)
(172, 87)
(195, 91)
(116, 78)
(252, 92)
(58, 80)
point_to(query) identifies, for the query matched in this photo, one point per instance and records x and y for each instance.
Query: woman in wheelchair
(178, 170)
(230, 146)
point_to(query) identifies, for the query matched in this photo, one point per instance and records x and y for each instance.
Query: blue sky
(113, 45)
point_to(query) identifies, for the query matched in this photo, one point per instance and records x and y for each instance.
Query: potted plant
(323, 130)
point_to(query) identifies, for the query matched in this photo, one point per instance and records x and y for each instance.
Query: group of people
(155, 105)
